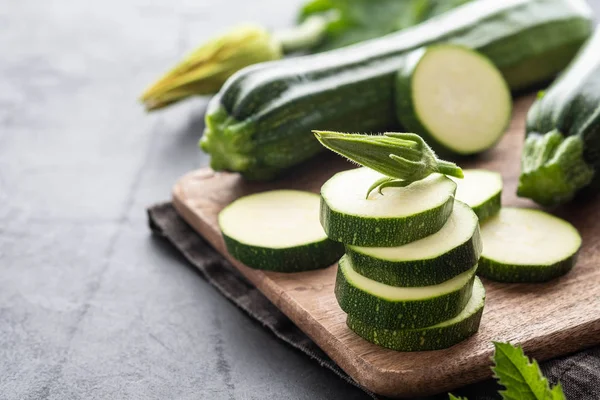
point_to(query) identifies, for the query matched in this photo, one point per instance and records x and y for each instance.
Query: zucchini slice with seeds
(398, 216)
(279, 231)
(523, 245)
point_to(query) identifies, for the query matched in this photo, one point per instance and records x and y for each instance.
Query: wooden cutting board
(549, 319)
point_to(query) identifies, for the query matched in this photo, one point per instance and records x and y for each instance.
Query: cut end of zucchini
(523, 245)
(440, 336)
(434, 259)
(394, 217)
(553, 168)
(481, 190)
(278, 230)
(455, 96)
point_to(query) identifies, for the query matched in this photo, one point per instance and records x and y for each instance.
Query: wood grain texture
(547, 319)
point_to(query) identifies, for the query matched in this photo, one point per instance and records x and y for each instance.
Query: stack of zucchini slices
(407, 280)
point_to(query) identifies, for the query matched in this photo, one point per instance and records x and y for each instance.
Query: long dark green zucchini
(561, 155)
(260, 122)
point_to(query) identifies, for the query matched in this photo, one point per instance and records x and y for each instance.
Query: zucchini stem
(449, 168)
(403, 158)
(553, 168)
(306, 35)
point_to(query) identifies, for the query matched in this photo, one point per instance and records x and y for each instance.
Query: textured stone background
(91, 306)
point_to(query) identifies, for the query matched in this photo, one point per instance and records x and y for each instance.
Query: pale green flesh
(478, 186)
(518, 236)
(459, 228)
(461, 98)
(394, 293)
(275, 219)
(345, 193)
(475, 303)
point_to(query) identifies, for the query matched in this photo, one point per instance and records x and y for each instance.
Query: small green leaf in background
(360, 20)
(453, 397)
(521, 377)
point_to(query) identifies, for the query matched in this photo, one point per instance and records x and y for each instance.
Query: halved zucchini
(394, 307)
(435, 337)
(398, 216)
(434, 259)
(523, 245)
(278, 231)
(454, 97)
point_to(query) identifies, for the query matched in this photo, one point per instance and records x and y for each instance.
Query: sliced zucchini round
(394, 307)
(434, 259)
(396, 217)
(435, 337)
(481, 190)
(454, 97)
(278, 231)
(523, 245)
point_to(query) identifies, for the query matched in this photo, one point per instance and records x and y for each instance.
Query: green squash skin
(561, 155)
(489, 208)
(383, 232)
(307, 257)
(424, 339)
(411, 314)
(407, 114)
(352, 89)
(419, 272)
(500, 272)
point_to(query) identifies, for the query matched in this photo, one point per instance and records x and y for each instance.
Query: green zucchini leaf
(360, 20)
(557, 392)
(521, 377)
(453, 397)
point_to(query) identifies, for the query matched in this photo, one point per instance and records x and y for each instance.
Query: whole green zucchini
(260, 122)
(561, 154)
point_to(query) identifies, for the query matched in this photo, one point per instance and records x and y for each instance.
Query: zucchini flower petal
(204, 71)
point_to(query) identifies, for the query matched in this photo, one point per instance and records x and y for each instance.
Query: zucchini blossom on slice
(403, 158)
